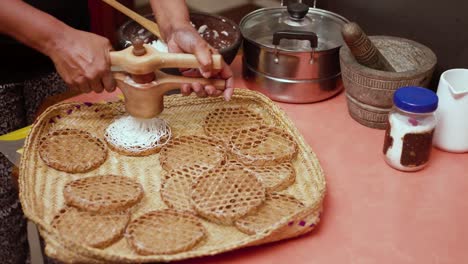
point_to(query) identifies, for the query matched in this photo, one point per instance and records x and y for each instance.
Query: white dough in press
(137, 135)
(159, 46)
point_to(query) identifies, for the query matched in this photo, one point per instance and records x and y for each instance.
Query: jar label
(416, 148)
(388, 143)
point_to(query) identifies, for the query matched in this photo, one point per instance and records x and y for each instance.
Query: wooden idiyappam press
(136, 71)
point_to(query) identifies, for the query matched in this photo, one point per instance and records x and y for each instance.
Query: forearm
(170, 14)
(29, 25)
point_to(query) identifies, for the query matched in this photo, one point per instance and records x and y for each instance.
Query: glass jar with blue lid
(408, 138)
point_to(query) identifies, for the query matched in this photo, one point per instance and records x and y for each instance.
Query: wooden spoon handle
(146, 23)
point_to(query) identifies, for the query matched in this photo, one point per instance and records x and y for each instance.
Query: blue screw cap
(415, 99)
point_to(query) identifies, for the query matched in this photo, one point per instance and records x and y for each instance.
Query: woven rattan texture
(192, 150)
(273, 210)
(164, 232)
(41, 187)
(72, 150)
(262, 145)
(176, 187)
(274, 177)
(226, 193)
(105, 193)
(222, 122)
(89, 228)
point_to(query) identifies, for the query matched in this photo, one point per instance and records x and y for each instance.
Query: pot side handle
(295, 34)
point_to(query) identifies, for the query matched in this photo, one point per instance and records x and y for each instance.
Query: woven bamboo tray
(41, 187)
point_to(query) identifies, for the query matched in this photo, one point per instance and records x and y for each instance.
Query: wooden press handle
(146, 23)
(154, 60)
(174, 82)
(146, 100)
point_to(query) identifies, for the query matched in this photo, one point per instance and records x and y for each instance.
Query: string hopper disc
(262, 145)
(176, 187)
(72, 150)
(104, 193)
(276, 207)
(93, 229)
(222, 122)
(273, 177)
(226, 193)
(192, 150)
(164, 232)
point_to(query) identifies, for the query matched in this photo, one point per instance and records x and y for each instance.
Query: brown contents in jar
(416, 148)
(388, 139)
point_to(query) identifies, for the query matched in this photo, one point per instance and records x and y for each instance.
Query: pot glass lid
(298, 23)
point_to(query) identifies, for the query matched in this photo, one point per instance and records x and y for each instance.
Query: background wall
(440, 25)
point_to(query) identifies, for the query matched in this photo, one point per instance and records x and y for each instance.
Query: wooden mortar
(373, 89)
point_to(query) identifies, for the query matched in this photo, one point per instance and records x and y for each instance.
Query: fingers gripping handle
(153, 60)
(175, 82)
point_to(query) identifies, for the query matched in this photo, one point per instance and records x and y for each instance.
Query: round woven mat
(262, 145)
(90, 228)
(72, 150)
(103, 193)
(223, 121)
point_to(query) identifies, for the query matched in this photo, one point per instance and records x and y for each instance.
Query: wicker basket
(41, 187)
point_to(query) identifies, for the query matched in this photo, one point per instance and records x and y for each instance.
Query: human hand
(185, 39)
(82, 60)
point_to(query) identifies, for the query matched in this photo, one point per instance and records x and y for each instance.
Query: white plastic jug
(451, 133)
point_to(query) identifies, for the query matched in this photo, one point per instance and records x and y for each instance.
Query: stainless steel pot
(292, 54)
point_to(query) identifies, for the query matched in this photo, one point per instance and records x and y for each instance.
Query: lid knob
(138, 48)
(298, 10)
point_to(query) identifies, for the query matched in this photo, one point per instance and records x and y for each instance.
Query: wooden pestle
(363, 49)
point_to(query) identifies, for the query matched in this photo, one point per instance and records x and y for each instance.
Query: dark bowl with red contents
(220, 32)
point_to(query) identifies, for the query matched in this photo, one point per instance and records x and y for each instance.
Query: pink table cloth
(372, 213)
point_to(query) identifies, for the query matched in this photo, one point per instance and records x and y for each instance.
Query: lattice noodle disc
(72, 150)
(221, 122)
(93, 229)
(274, 177)
(104, 193)
(164, 232)
(192, 150)
(137, 137)
(226, 193)
(176, 187)
(276, 207)
(262, 145)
